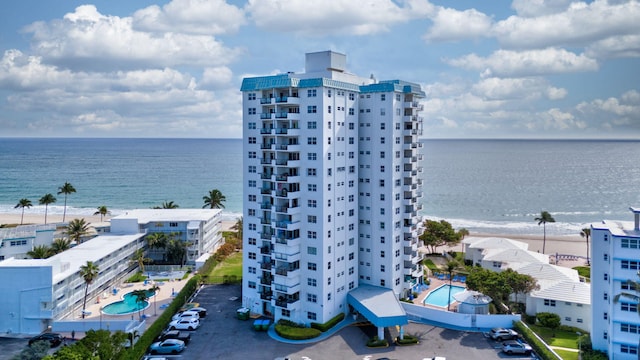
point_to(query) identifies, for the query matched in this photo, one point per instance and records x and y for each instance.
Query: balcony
(265, 250)
(266, 236)
(265, 146)
(266, 100)
(266, 295)
(265, 131)
(266, 280)
(266, 115)
(265, 191)
(265, 161)
(265, 206)
(265, 266)
(265, 221)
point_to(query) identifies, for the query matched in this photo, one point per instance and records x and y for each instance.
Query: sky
(541, 69)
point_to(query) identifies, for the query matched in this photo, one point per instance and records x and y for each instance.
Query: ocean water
(495, 186)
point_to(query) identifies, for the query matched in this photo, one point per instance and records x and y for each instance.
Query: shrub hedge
(329, 324)
(407, 340)
(292, 331)
(375, 342)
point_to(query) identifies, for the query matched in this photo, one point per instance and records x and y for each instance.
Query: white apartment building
(200, 229)
(18, 241)
(331, 187)
(615, 249)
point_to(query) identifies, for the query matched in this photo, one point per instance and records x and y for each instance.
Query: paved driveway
(223, 336)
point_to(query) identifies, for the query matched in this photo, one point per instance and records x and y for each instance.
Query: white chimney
(636, 218)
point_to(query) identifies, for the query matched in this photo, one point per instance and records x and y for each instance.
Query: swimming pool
(440, 296)
(127, 305)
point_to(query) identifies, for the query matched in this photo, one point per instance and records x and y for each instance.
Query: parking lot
(223, 336)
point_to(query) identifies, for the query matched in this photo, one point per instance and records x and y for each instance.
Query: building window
(313, 298)
(311, 316)
(311, 172)
(628, 264)
(252, 126)
(312, 187)
(312, 282)
(629, 307)
(548, 302)
(312, 109)
(252, 169)
(312, 250)
(628, 349)
(312, 219)
(311, 203)
(311, 93)
(251, 96)
(251, 111)
(329, 111)
(311, 141)
(252, 255)
(285, 313)
(252, 198)
(312, 125)
(312, 235)
(251, 140)
(630, 328)
(252, 285)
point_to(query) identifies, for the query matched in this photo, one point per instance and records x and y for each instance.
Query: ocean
(489, 186)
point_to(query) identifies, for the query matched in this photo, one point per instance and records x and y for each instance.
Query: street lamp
(101, 317)
(579, 345)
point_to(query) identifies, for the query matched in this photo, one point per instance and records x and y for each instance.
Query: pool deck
(163, 297)
(434, 284)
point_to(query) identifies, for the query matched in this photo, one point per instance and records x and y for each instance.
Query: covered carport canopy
(379, 305)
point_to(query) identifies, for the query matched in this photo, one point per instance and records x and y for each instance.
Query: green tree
(104, 345)
(76, 229)
(490, 283)
(46, 200)
(140, 296)
(102, 211)
(40, 252)
(439, 233)
(60, 245)
(519, 283)
(238, 228)
(157, 240)
(36, 351)
(155, 289)
(549, 320)
(586, 233)
(214, 200)
(23, 203)
(140, 259)
(543, 219)
(65, 189)
(451, 266)
(88, 272)
(167, 205)
(176, 251)
(633, 297)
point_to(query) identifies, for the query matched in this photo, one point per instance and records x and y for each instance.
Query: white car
(188, 323)
(186, 314)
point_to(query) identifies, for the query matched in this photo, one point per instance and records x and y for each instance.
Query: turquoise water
(127, 305)
(440, 296)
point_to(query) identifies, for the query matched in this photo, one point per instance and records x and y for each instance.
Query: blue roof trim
(268, 82)
(395, 86)
(318, 82)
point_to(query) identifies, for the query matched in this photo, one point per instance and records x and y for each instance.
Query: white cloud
(533, 8)
(217, 77)
(452, 25)
(344, 17)
(580, 24)
(530, 88)
(615, 47)
(204, 17)
(508, 63)
(87, 39)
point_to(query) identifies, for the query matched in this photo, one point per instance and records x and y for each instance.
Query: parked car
(516, 347)
(54, 339)
(188, 323)
(175, 334)
(201, 311)
(186, 314)
(503, 334)
(436, 358)
(169, 346)
(189, 306)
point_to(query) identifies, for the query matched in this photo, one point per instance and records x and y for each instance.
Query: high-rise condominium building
(331, 188)
(615, 265)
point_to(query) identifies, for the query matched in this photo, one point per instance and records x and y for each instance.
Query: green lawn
(564, 339)
(567, 355)
(231, 266)
(584, 271)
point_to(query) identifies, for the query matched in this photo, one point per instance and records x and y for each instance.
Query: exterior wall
(571, 314)
(308, 212)
(613, 244)
(458, 321)
(26, 300)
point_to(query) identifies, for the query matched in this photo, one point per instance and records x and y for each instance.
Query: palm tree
(40, 252)
(451, 266)
(60, 245)
(140, 259)
(214, 200)
(89, 272)
(155, 288)
(632, 297)
(167, 205)
(157, 240)
(463, 232)
(586, 233)
(23, 203)
(66, 189)
(102, 211)
(544, 218)
(176, 251)
(76, 229)
(238, 228)
(46, 200)
(140, 296)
